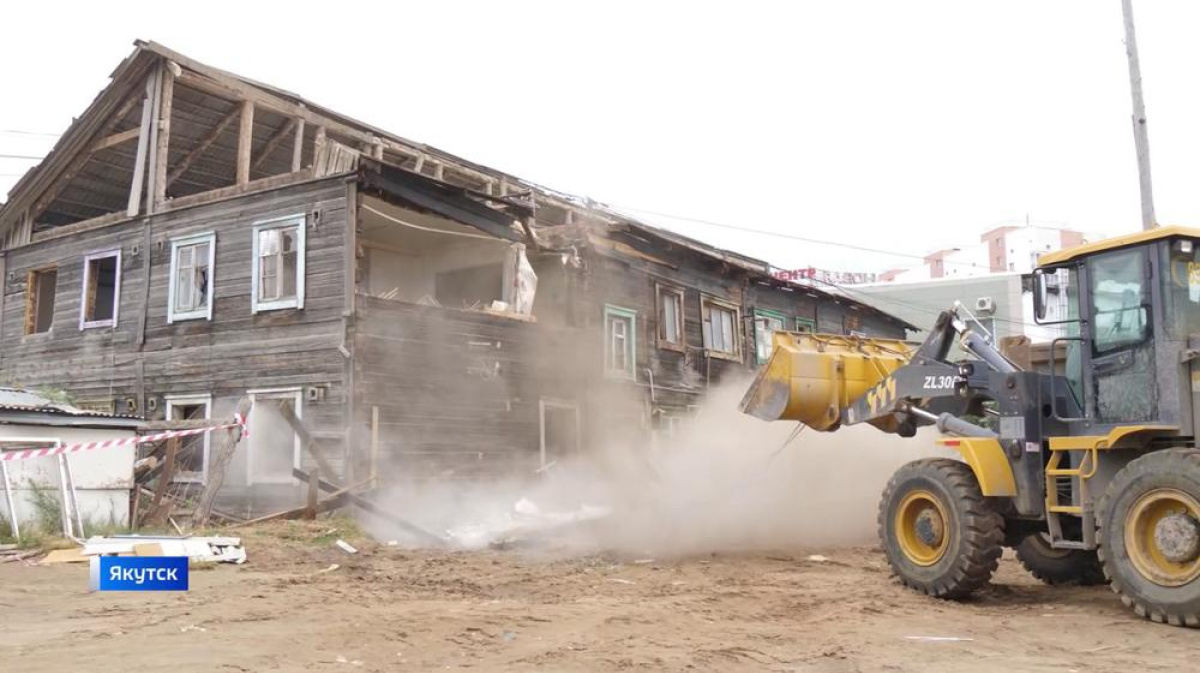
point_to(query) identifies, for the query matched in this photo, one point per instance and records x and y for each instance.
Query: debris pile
(199, 549)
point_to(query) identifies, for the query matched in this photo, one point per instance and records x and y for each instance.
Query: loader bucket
(812, 378)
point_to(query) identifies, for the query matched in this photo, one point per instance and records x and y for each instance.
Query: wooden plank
(318, 145)
(245, 141)
(201, 148)
(226, 444)
(298, 145)
(367, 505)
(314, 490)
(139, 166)
(306, 440)
(374, 447)
(158, 182)
(273, 143)
(115, 139)
(157, 513)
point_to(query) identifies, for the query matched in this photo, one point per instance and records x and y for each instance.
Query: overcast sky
(906, 126)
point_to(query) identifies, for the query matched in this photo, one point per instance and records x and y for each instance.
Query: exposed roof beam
(273, 142)
(207, 142)
(115, 139)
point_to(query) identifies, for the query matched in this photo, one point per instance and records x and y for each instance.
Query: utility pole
(1141, 140)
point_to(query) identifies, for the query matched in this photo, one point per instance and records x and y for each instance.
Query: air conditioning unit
(985, 305)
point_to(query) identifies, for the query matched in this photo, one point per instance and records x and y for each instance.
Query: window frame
(661, 289)
(33, 300)
(170, 401)
(613, 311)
(547, 403)
(296, 394)
(205, 313)
(806, 325)
(774, 315)
(300, 222)
(84, 323)
(706, 303)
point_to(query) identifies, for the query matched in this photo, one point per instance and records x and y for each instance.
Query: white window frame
(300, 222)
(611, 311)
(171, 401)
(84, 323)
(294, 393)
(205, 312)
(553, 403)
(707, 303)
(764, 340)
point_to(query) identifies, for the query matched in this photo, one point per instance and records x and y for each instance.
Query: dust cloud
(724, 482)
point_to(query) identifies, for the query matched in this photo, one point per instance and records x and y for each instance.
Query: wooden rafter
(200, 149)
(272, 143)
(115, 139)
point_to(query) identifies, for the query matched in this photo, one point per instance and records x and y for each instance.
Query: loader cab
(1126, 310)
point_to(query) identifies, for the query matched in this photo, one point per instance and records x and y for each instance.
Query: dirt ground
(388, 609)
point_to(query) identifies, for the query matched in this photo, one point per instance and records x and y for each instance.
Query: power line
(20, 156)
(29, 133)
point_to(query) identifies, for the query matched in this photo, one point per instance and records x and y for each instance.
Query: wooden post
(374, 447)
(217, 465)
(139, 165)
(157, 513)
(298, 145)
(314, 491)
(1141, 137)
(318, 145)
(158, 181)
(245, 142)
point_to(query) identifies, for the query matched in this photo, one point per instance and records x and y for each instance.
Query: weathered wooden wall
(235, 352)
(457, 391)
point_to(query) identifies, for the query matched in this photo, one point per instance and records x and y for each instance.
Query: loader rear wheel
(1150, 536)
(939, 534)
(1059, 566)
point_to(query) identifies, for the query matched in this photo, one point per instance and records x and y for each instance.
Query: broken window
(807, 325)
(559, 430)
(670, 316)
(620, 355)
(279, 264)
(766, 324)
(720, 329)
(192, 262)
(425, 259)
(101, 289)
(191, 458)
(40, 287)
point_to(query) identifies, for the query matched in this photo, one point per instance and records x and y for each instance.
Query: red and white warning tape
(25, 454)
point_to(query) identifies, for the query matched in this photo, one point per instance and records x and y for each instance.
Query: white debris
(202, 549)
(816, 558)
(525, 519)
(345, 546)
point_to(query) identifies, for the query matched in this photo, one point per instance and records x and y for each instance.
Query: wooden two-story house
(196, 237)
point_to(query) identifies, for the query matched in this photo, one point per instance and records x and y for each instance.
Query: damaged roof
(492, 212)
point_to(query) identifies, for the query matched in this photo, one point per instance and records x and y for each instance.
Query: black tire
(1166, 470)
(973, 532)
(1065, 567)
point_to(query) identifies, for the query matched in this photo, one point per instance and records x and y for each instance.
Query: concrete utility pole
(1141, 140)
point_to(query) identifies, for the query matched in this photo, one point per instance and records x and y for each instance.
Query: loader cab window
(1120, 300)
(1181, 291)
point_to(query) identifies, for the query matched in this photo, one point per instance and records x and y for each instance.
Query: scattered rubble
(524, 522)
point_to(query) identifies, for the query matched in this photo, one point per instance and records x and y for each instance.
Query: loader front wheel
(1150, 536)
(1079, 567)
(939, 533)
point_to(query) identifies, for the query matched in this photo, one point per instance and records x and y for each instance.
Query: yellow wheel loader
(1088, 467)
